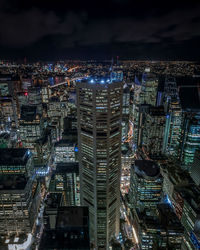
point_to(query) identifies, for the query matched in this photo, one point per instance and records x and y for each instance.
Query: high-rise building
(20, 196)
(35, 98)
(150, 85)
(66, 151)
(184, 196)
(173, 111)
(190, 130)
(66, 227)
(190, 138)
(31, 127)
(65, 179)
(16, 161)
(145, 92)
(153, 131)
(159, 228)
(99, 105)
(195, 168)
(173, 128)
(125, 111)
(145, 184)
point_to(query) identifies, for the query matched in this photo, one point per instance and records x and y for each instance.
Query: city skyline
(99, 155)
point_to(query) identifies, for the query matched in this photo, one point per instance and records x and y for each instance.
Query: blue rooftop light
(92, 81)
(76, 149)
(102, 81)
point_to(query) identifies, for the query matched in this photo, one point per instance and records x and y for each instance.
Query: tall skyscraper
(145, 92)
(153, 130)
(145, 184)
(99, 133)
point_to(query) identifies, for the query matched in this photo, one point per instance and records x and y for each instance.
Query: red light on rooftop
(25, 93)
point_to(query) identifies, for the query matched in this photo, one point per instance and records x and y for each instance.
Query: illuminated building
(173, 129)
(66, 227)
(65, 151)
(150, 85)
(17, 210)
(43, 148)
(170, 90)
(145, 92)
(153, 130)
(54, 109)
(125, 111)
(192, 142)
(184, 196)
(159, 228)
(22, 99)
(65, 179)
(190, 138)
(190, 131)
(35, 98)
(195, 168)
(16, 161)
(99, 103)
(173, 118)
(137, 100)
(8, 110)
(116, 76)
(19, 194)
(30, 127)
(191, 216)
(145, 184)
(45, 92)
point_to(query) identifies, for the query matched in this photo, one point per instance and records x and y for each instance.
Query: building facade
(99, 132)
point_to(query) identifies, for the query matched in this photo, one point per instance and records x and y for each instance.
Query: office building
(125, 111)
(145, 92)
(190, 218)
(192, 142)
(65, 180)
(16, 161)
(153, 131)
(99, 103)
(65, 227)
(184, 196)
(35, 98)
(195, 168)
(190, 131)
(159, 228)
(70, 129)
(65, 151)
(43, 147)
(149, 85)
(31, 127)
(8, 111)
(19, 196)
(173, 128)
(145, 184)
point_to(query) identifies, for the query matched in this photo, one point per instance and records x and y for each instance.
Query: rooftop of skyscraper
(12, 182)
(14, 156)
(146, 168)
(162, 217)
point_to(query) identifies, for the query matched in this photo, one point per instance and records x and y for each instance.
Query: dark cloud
(32, 26)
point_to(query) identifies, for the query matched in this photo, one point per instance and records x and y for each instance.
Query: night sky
(51, 30)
